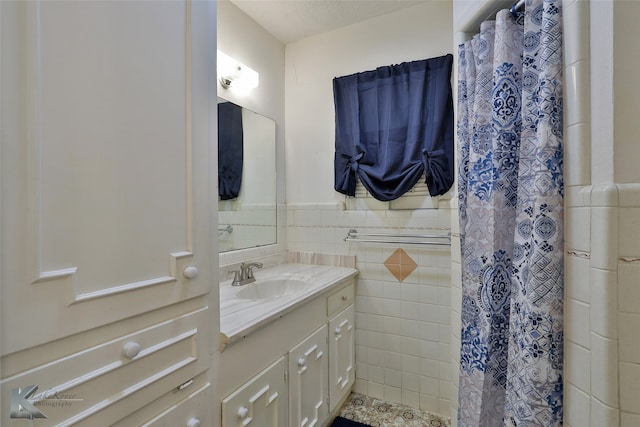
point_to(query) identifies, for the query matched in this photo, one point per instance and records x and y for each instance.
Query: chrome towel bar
(227, 229)
(400, 239)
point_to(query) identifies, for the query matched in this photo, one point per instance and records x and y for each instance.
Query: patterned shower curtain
(511, 220)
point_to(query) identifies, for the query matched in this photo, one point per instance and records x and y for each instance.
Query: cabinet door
(308, 381)
(106, 187)
(342, 355)
(260, 402)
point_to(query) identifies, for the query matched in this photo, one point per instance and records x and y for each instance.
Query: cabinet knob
(338, 331)
(190, 272)
(131, 349)
(302, 361)
(193, 422)
(344, 297)
(243, 412)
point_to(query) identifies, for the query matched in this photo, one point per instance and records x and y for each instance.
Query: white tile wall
(604, 370)
(630, 239)
(604, 227)
(403, 330)
(630, 387)
(629, 304)
(577, 271)
(629, 287)
(629, 338)
(577, 141)
(604, 303)
(603, 415)
(578, 228)
(576, 371)
(606, 343)
(577, 404)
(577, 327)
(629, 420)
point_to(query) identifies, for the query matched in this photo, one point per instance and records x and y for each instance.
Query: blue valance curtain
(393, 125)
(230, 150)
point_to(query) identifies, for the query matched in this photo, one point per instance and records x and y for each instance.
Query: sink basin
(272, 288)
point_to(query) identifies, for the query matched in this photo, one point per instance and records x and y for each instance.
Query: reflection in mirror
(247, 178)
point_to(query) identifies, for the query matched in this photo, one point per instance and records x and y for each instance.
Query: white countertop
(239, 317)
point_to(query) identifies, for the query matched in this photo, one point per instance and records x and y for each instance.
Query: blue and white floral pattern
(510, 189)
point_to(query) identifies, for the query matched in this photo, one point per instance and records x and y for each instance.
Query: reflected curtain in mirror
(393, 125)
(230, 150)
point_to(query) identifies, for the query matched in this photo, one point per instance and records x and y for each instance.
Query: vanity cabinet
(313, 348)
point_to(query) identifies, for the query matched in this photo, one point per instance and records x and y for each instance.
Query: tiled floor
(378, 413)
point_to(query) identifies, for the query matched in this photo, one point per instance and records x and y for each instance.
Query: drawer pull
(193, 422)
(302, 361)
(184, 385)
(131, 349)
(344, 297)
(190, 272)
(243, 412)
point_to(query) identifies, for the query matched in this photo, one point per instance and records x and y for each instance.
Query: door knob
(190, 272)
(243, 412)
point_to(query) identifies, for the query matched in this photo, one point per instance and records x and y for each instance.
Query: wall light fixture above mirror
(232, 73)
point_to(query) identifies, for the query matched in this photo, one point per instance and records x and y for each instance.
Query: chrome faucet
(245, 274)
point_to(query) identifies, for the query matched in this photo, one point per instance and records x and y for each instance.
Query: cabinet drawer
(194, 411)
(100, 384)
(181, 406)
(340, 299)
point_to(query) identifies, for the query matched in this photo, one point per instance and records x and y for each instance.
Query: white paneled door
(106, 193)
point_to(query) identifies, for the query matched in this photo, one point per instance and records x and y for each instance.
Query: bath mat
(343, 422)
(373, 412)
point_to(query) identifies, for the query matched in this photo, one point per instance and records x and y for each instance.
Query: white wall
(414, 33)
(244, 40)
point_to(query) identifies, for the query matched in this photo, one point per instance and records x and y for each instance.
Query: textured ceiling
(291, 20)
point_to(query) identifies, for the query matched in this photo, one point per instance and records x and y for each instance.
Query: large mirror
(246, 178)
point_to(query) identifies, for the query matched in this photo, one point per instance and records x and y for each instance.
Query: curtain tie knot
(352, 162)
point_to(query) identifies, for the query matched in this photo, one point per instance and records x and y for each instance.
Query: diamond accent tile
(400, 264)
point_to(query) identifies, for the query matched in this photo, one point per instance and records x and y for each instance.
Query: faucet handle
(247, 268)
(236, 276)
(250, 272)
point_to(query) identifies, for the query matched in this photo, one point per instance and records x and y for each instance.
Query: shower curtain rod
(516, 8)
(401, 239)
